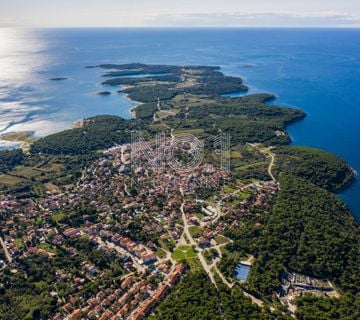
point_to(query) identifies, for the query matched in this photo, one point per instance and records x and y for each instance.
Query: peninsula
(85, 235)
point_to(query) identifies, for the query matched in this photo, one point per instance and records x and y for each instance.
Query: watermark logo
(179, 160)
(186, 153)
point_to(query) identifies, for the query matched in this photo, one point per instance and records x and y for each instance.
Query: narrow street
(204, 264)
(7, 254)
(197, 248)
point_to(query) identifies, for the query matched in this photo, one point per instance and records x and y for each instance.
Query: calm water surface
(316, 70)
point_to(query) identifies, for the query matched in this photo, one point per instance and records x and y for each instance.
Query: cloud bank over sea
(251, 19)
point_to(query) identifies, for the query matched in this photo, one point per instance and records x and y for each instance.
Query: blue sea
(317, 70)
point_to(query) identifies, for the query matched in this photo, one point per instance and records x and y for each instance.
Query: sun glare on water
(18, 56)
(20, 60)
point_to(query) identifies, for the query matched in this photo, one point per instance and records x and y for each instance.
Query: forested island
(69, 215)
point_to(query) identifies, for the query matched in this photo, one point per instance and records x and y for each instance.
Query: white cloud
(238, 19)
(184, 13)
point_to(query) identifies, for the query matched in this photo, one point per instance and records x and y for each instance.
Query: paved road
(7, 254)
(206, 267)
(204, 264)
(270, 154)
(197, 248)
(272, 162)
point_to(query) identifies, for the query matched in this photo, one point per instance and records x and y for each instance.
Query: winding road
(208, 268)
(270, 154)
(272, 162)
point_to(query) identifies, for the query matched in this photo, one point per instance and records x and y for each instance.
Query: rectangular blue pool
(242, 271)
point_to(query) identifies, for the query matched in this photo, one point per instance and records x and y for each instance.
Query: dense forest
(309, 231)
(96, 133)
(151, 93)
(313, 308)
(196, 298)
(246, 119)
(319, 167)
(9, 159)
(210, 81)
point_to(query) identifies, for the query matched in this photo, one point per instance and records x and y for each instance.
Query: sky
(180, 13)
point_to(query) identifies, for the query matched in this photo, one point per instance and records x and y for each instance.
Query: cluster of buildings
(294, 284)
(215, 219)
(139, 250)
(103, 206)
(133, 300)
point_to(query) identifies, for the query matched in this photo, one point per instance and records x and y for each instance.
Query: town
(129, 244)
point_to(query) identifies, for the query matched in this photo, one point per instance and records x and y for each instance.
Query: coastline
(268, 101)
(25, 138)
(349, 185)
(131, 110)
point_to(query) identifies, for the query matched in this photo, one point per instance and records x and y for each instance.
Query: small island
(247, 65)
(102, 93)
(58, 79)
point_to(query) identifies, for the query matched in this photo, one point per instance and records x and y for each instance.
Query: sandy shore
(136, 103)
(78, 124)
(24, 137)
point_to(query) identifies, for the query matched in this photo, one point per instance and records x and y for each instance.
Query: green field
(195, 132)
(19, 243)
(26, 172)
(195, 231)
(9, 180)
(221, 239)
(57, 217)
(46, 247)
(184, 253)
(161, 253)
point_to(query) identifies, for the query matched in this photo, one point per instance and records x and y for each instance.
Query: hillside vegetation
(9, 159)
(195, 297)
(319, 167)
(97, 133)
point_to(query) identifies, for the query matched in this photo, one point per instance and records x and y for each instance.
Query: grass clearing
(165, 113)
(19, 243)
(251, 165)
(26, 172)
(195, 231)
(9, 180)
(229, 189)
(57, 217)
(46, 247)
(235, 154)
(184, 253)
(195, 132)
(221, 239)
(161, 253)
